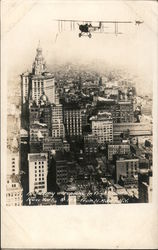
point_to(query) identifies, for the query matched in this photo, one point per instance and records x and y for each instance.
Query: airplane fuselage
(84, 28)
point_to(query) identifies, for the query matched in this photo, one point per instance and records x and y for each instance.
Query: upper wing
(92, 21)
(73, 24)
(116, 21)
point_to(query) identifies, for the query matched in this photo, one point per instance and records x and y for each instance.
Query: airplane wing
(93, 21)
(73, 24)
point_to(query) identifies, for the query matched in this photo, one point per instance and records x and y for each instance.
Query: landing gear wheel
(79, 34)
(89, 35)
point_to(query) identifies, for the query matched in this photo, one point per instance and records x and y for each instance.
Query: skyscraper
(14, 191)
(37, 82)
(13, 163)
(58, 130)
(73, 120)
(38, 169)
(102, 127)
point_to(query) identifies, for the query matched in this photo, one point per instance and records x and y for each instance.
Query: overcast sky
(27, 22)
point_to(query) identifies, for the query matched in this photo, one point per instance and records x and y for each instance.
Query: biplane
(86, 28)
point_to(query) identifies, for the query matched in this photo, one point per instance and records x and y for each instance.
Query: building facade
(38, 170)
(90, 144)
(13, 163)
(145, 185)
(73, 121)
(38, 132)
(133, 128)
(37, 82)
(122, 149)
(102, 127)
(126, 113)
(58, 130)
(34, 114)
(126, 168)
(14, 191)
(61, 172)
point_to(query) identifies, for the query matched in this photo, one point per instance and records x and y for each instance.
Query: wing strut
(116, 29)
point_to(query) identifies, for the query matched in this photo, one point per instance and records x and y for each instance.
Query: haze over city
(132, 51)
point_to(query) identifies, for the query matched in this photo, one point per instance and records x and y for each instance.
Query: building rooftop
(37, 124)
(103, 99)
(37, 157)
(13, 179)
(126, 157)
(124, 102)
(102, 116)
(71, 105)
(45, 75)
(23, 132)
(118, 143)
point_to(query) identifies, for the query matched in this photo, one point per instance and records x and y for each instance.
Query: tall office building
(90, 144)
(121, 111)
(60, 164)
(38, 132)
(118, 148)
(126, 170)
(102, 127)
(73, 120)
(34, 114)
(126, 113)
(45, 112)
(58, 130)
(38, 169)
(37, 82)
(14, 191)
(13, 163)
(145, 185)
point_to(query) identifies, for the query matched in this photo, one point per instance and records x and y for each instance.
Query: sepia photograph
(79, 95)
